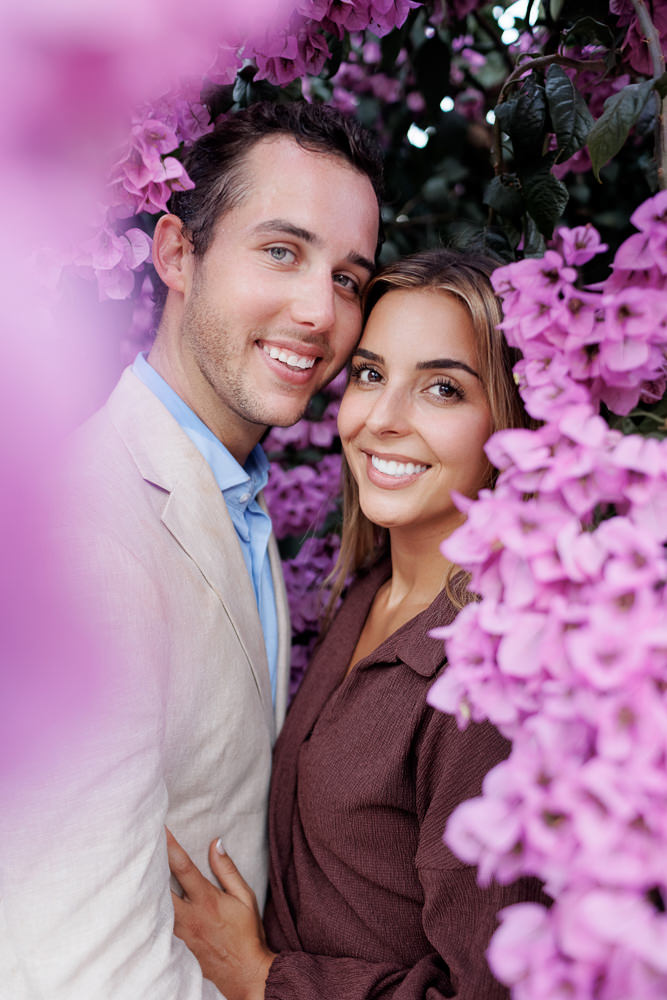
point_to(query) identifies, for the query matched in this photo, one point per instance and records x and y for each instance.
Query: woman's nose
(389, 413)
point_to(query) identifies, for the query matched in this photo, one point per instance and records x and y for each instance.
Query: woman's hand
(222, 927)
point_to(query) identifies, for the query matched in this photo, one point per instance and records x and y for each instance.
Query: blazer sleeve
(84, 881)
(458, 917)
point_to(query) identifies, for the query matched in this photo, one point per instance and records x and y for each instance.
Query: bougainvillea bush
(566, 652)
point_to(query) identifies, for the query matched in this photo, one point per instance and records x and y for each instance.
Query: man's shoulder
(103, 482)
(96, 451)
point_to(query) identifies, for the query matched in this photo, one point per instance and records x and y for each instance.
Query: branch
(652, 39)
(540, 61)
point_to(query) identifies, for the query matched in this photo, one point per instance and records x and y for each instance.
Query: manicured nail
(219, 846)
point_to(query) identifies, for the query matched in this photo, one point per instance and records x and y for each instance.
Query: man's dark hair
(216, 162)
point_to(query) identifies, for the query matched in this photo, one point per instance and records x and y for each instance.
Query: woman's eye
(364, 374)
(445, 390)
(281, 254)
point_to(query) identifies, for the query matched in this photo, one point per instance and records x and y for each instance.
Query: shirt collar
(411, 644)
(227, 471)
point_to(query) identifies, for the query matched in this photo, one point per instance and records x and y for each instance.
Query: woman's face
(415, 416)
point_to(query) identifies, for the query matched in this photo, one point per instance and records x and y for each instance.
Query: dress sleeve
(458, 917)
(85, 901)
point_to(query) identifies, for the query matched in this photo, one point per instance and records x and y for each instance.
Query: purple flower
(579, 245)
(144, 178)
(114, 259)
(299, 498)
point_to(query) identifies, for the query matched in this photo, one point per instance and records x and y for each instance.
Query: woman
(366, 900)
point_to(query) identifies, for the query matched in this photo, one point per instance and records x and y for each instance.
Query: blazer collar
(193, 511)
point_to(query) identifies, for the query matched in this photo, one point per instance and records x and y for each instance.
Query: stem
(658, 61)
(649, 416)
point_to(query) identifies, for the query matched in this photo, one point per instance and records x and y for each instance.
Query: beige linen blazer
(184, 726)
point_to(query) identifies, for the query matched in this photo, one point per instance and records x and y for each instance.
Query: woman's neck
(418, 568)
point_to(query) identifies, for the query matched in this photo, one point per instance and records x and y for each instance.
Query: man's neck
(238, 440)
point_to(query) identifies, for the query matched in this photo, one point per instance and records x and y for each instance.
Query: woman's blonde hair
(465, 275)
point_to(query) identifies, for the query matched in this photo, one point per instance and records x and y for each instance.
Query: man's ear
(172, 253)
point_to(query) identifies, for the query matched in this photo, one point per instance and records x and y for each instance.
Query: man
(263, 265)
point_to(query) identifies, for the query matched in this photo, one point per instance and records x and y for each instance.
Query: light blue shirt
(240, 486)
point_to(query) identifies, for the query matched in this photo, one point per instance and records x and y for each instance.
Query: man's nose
(313, 303)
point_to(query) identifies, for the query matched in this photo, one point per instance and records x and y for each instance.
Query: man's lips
(289, 357)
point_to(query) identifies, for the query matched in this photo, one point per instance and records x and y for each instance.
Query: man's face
(273, 308)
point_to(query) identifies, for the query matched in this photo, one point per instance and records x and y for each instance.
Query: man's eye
(281, 254)
(348, 282)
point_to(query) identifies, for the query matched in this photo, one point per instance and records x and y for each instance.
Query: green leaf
(587, 30)
(339, 50)
(570, 117)
(503, 195)
(612, 128)
(505, 113)
(533, 241)
(546, 198)
(529, 120)
(391, 46)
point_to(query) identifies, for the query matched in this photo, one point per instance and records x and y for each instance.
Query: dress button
(244, 497)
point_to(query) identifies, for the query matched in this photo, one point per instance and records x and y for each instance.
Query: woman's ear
(172, 253)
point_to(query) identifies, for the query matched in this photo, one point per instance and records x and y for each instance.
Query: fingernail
(219, 846)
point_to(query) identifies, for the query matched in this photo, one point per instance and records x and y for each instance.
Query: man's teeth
(397, 469)
(293, 360)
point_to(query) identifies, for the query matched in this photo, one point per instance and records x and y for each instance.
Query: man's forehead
(279, 170)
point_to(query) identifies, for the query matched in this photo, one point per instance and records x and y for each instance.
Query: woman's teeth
(293, 360)
(397, 469)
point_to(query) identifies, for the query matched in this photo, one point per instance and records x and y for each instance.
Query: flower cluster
(566, 651)
(113, 259)
(302, 494)
(304, 575)
(300, 497)
(602, 344)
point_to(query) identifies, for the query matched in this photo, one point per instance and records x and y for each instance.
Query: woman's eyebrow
(362, 352)
(446, 363)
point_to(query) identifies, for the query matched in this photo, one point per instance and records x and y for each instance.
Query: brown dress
(365, 899)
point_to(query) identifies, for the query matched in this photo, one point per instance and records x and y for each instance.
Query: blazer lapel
(194, 512)
(284, 657)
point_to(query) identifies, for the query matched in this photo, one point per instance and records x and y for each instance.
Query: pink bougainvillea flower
(114, 258)
(579, 245)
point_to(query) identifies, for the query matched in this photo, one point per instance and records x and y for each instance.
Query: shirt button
(244, 498)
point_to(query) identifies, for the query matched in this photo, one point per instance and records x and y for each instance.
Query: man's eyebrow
(289, 229)
(361, 261)
(283, 226)
(446, 363)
